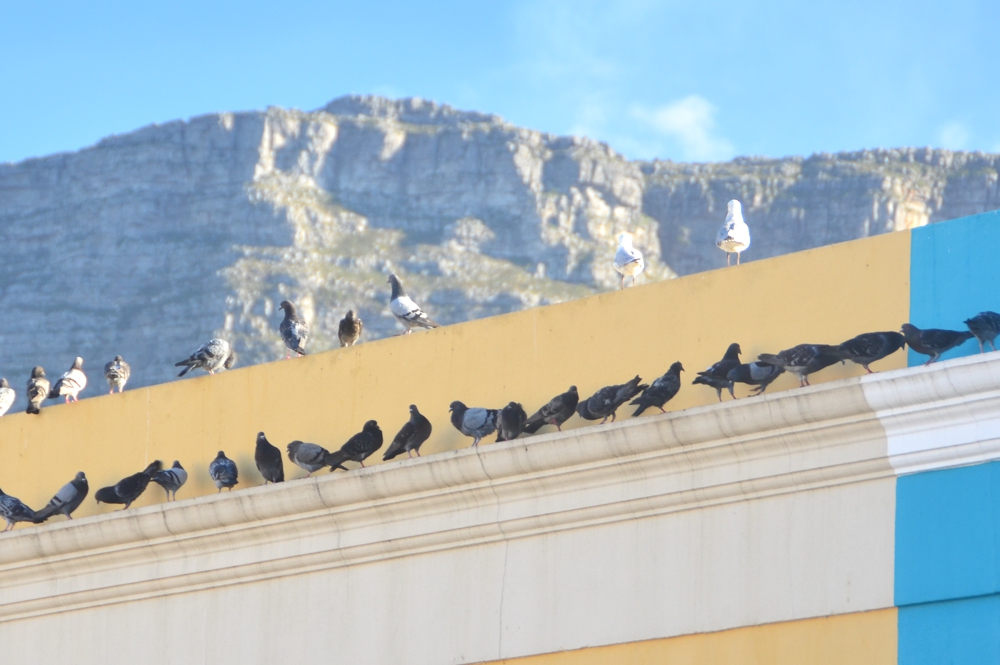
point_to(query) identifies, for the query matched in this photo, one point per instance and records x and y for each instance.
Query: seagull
(985, 326)
(933, 341)
(628, 260)
(476, 422)
(171, 479)
(605, 402)
(13, 510)
(213, 355)
(268, 459)
(7, 396)
(558, 410)
(405, 310)
(716, 375)
(866, 348)
(410, 437)
(294, 330)
(350, 329)
(66, 500)
(309, 456)
(223, 472)
(734, 236)
(510, 422)
(116, 373)
(71, 383)
(358, 448)
(38, 390)
(661, 391)
(803, 360)
(128, 489)
(754, 374)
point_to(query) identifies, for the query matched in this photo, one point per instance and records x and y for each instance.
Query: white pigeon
(213, 355)
(7, 396)
(734, 236)
(405, 310)
(71, 383)
(628, 260)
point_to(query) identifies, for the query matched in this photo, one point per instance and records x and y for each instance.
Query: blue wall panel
(953, 275)
(958, 632)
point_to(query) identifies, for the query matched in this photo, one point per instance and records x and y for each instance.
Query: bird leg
(729, 258)
(737, 258)
(362, 465)
(981, 349)
(662, 410)
(604, 421)
(111, 392)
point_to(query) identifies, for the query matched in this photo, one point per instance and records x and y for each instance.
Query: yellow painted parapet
(825, 296)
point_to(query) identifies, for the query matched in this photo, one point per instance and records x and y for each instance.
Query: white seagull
(407, 311)
(628, 260)
(734, 236)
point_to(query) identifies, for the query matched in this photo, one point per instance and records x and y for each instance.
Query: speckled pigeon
(350, 329)
(13, 510)
(558, 410)
(933, 341)
(223, 472)
(605, 402)
(867, 348)
(405, 310)
(116, 373)
(985, 326)
(71, 383)
(410, 437)
(510, 422)
(660, 391)
(803, 360)
(213, 355)
(37, 389)
(294, 330)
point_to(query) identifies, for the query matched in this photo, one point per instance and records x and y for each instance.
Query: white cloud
(954, 135)
(688, 124)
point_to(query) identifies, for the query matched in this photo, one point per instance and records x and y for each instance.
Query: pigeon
(754, 374)
(268, 459)
(405, 310)
(7, 396)
(803, 360)
(350, 329)
(932, 341)
(628, 260)
(510, 422)
(38, 390)
(71, 383)
(116, 373)
(294, 330)
(476, 422)
(410, 437)
(213, 355)
(171, 479)
(605, 402)
(223, 472)
(869, 347)
(716, 375)
(985, 326)
(660, 391)
(309, 456)
(66, 500)
(734, 236)
(358, 448)
(128, 489)
(558, 410)
(14, 511)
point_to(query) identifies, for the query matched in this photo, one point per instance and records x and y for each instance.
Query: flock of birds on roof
(477, 423)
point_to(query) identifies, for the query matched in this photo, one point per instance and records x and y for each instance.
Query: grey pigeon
(116, 373)
(405, 310)
(754, 374)
(410, 437)
(867, 348)
(71, 383)
(358, 448)
(128, 489)
(933, 341)
(556, 411)
(309, 456)
(985, 326)
(350, 329)
(213, 355)
(294, 330)
(605, 402)
(476, 422)
(171, 479)
(66, 500)
(13, 510)
(223, 472)
(38, 390)
(803, 360)
(660, 391)
(716, 375)
(268, 459)
(510, 422)
(7, 396)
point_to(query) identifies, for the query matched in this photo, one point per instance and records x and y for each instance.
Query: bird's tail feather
(532, 427)
(33, 408)
(771, 359)
(336, 460)
(43, 514)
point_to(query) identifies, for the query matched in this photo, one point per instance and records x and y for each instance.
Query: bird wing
(624, 257)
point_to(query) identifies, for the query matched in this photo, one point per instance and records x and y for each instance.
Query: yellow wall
(867, 638)
(823, 295)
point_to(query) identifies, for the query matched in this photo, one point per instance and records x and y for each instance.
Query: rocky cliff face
(149, 243)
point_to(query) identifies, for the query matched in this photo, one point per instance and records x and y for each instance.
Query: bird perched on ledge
(128, 489)
(350, 329)
(294, 330)
(754, 374)
(556, 411)
(867, 348)
(734, 236)
(510, 422)
(660, 391)
(405, 310)
(985, 326)
(7, 396)
(803, 360)
(38, 390)
(71, 383)
(933, 341)
(410, 437)
(628, 260)
(717, 375)
(13, 510)
(213, 355)
(223, 472)
(171, 479)
(268, 460)
(605, 402)
(67, 499)
(358, 448)
(116, 373)
(308, 456)
(475, 422)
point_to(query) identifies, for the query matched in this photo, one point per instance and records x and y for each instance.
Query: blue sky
(697, 81)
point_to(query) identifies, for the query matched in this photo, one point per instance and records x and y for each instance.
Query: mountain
(149, 243)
